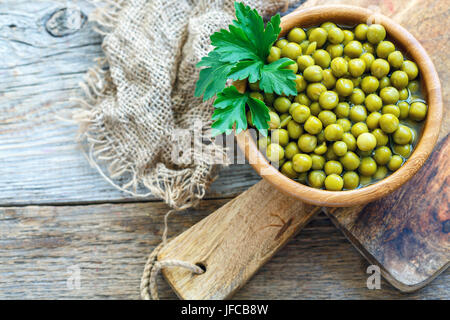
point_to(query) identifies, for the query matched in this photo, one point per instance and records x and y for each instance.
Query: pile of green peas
(356, 116)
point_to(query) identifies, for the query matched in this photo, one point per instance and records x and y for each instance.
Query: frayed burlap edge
(175, 187)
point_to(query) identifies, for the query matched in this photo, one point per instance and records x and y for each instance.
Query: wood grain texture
(110, 243)
(39, 72)
(234, 242)
(408, 232)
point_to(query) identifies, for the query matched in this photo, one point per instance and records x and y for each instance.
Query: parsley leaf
(241, 53)
(260, 114)
(275, 78)
(247, 69)
(229, 110)
(214, 78)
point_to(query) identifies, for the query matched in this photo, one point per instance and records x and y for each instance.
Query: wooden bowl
(350, 15)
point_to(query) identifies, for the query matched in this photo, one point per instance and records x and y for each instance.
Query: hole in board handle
(201, 266)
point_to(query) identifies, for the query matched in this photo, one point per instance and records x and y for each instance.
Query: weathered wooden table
(58, 216)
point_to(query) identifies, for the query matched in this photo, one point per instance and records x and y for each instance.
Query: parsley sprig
(241, 53)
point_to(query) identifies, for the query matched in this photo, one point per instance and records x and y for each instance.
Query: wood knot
(66, 21)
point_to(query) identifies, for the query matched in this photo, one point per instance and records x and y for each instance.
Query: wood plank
(234, 242)
(38, 75)
(110, 243)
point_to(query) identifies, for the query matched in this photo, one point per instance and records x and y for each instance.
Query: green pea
(418, 111)
(335, 50)
(333, 167)
(313, 73)
(327, 117)
(351, 180)
(368, 48)
(281, 43)
(328, 100)
(291, 150)
(368, 166)
(269, 98)
(349, 140)
(361, 31)
(291, 50)
(376, 33)
(304, 62)
(399, 79)
(404, 110)
(301, 162)
(333, 132)
(385, 48)
(339, 67)
(369, 84)
(373, 120)
(330, 155)
(293, 66)
(356, 67)
(274, 54)
(357, 96)
(373, 102)
(335, 35)
(316, 178)
(263, 142)
(365, 180)
(280, 136)
(380, 173)
(315, 108)
(311, 48)
(328, 26)
(345, 124)
(322, 58)
(314, 90)
(368, 59)
(379, 68)
(403, 94)
(313, 125)
(301, 113)
(382, 138)
(395, 59)
(307, 142)
(389, 95)
(402, 149)
(366, 141)
(274, 121)
(296, 35)
(318, 161)
(382, 155)
(353, 49)
(344, 87)
(342, 110)
(402, 135)
(384, 82)
(302, 99)
(410, 68)
(318, 35)
(392, 109)
(288, 170)
(350, 161)
(300, 83)
(282, 104)
(358, 113)
(328, 80)
(348, 36)
(395, 163)
(294, 129)
(322, 149)
(388, 123)
(359, 128)
(340, 148)
(274, 152)
(333, 182)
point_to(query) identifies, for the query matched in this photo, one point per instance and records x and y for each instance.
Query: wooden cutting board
(406, 234)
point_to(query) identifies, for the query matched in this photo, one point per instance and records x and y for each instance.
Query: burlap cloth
(141, 93)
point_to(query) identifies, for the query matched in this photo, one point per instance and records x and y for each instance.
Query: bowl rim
(430, 82)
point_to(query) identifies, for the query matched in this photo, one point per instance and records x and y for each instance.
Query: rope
(148, 287)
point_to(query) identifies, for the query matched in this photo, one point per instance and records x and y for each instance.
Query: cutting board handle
(233, 242)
